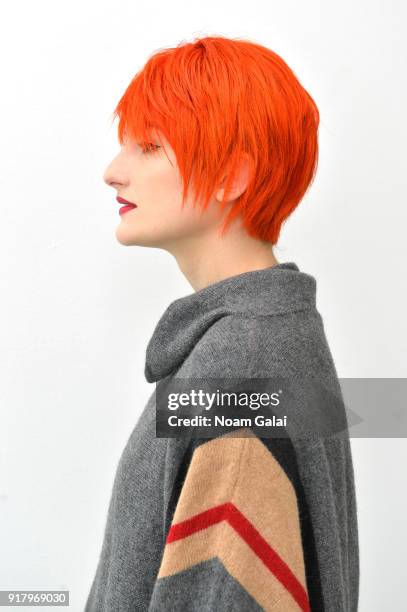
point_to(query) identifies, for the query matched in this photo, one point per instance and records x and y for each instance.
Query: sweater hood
(278, 289)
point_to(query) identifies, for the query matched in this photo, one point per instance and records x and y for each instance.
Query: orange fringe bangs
(218, 100)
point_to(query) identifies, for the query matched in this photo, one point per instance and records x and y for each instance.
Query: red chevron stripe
(252, 537)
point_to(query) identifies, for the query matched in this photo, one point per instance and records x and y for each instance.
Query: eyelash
(146, 147)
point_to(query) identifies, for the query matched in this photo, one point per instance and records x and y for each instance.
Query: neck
(210, 258)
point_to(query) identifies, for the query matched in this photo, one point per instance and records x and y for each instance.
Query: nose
(112, 183)
(109, 178)
(113, 175)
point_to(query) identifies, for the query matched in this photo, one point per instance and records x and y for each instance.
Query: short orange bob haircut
(217, 99)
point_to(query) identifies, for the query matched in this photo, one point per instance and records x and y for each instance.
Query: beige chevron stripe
(244, 472)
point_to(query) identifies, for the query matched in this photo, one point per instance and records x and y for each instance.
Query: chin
(128, 238)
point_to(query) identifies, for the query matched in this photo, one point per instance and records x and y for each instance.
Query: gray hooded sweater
(233, 523)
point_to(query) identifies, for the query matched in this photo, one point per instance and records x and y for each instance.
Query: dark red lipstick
(127, 205)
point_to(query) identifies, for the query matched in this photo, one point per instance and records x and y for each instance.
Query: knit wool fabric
(228, 523)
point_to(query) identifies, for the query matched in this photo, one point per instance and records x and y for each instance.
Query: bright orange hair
(216, 99)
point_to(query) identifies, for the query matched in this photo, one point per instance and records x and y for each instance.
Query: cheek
(160, 194)
(161, 188)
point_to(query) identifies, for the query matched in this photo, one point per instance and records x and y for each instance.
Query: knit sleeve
(239, 533)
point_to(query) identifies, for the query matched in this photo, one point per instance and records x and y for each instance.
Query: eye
(148, 147)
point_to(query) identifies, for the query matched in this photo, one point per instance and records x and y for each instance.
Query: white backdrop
(77, 308)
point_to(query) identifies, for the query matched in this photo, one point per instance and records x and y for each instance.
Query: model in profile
(219, 145)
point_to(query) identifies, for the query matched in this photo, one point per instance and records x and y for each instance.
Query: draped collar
(278, 289)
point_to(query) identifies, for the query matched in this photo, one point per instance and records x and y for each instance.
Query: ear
(240, 182)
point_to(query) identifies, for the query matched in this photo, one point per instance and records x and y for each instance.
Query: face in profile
(147, 175)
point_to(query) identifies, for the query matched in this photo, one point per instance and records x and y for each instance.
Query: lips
(126, 208)
(126, 202)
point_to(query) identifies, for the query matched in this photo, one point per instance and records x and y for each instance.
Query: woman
(219, 143)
